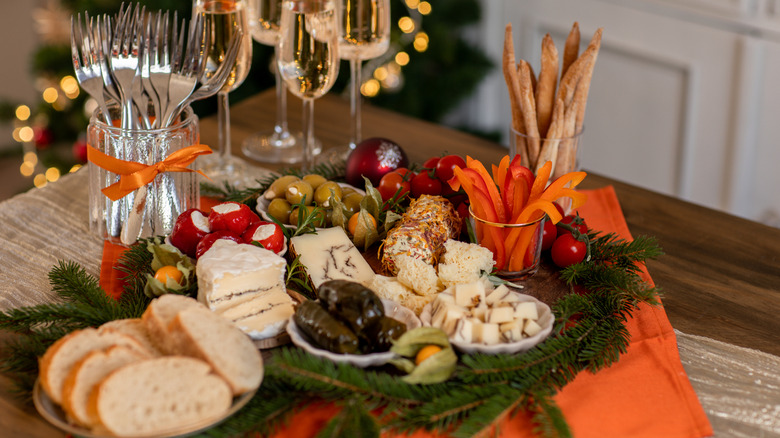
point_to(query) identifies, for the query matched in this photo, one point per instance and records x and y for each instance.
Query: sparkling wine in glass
(364, 33)
(308, 57)
(222, 19)
(281, 145)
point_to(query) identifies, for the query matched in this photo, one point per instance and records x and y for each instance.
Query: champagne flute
(364, 33)
(308, 58)
(281, 145)
(222, 19)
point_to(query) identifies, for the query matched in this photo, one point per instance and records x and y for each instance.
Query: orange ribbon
(135, 175)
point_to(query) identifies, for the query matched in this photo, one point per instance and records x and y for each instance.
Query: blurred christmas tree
(428, 70)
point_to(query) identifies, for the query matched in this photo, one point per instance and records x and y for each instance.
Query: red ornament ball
(373, 158)
(79, 150)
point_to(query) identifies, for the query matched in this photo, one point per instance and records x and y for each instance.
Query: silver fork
(124, 61)
(160, 63)
(86, 65)
(140, 98)
(187, 67)
(146, 59)
(102, 41)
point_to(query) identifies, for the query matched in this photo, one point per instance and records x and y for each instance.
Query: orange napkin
(645, 394)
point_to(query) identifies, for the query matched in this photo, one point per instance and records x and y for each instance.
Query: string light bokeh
(59, 94)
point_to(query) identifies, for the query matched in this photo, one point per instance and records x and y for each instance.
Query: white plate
(546, 320)
(392, 309)
(262, 205)
(54, 414)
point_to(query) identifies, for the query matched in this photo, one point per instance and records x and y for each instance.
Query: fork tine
(73, 48)
(166, 54)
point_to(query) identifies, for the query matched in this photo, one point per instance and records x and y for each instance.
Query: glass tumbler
(151, 209)
(517, 248)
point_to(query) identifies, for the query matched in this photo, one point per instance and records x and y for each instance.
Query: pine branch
(485, 419)
(333, 381)
(547, 416)
(353, 421)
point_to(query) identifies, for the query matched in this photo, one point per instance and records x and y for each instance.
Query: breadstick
(549, 150)
(567, 153)
(548, 80)
(572, 47)
(528, 105)
(513, 85)
(569, 81)
(533, 77)
(581, 94)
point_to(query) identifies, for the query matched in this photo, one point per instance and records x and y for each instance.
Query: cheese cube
(526, 310)
(498, 315)
(488, 334)
(502, 294)
(531, 327)
(469, 295)
(464, 331)
(512, 331)
(447, 313)
(479, 312)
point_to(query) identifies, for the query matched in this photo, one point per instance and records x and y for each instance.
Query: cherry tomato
(430, 163)
(445, 166)
(391, 183)
(423, 184)
(549, 233)
(566, 251)
(574, 221)
(406, 173)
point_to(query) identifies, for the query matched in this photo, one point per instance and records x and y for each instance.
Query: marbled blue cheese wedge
(330, 255)
(245, 284)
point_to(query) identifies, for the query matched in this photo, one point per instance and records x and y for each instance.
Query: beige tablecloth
(739, 388)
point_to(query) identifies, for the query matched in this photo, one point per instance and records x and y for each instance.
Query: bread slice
(56, 363)
(203, 334)
(158, 395)
(87, 373)
(158, 317)
(136, 328)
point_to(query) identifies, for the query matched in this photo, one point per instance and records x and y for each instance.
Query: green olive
(352, 202)
(319, 221)
(278, 187)
(315, 180)
(280, 209)
(324, 191)
(299, 191)
(346, 190)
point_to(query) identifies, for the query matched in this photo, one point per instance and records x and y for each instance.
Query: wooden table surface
(720, 275)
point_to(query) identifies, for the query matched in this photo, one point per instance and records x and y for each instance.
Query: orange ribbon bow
(135, 175)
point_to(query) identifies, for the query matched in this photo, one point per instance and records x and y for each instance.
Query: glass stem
(355, 66)
(281, 100)
(223, 116)
(308, 134)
